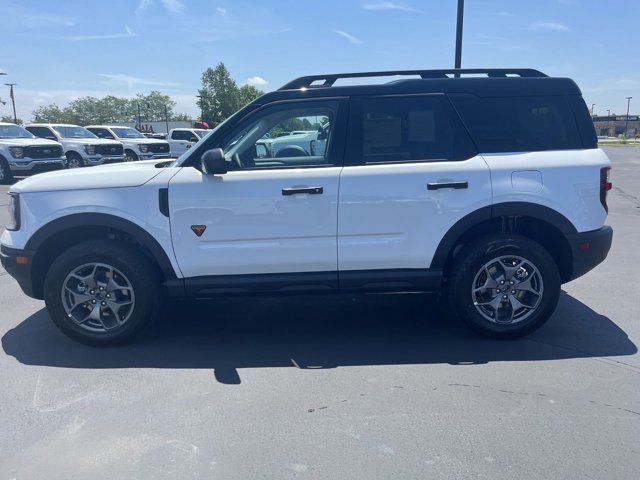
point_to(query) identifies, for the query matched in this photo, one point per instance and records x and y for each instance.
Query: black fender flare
(505, 209)
(103, 220)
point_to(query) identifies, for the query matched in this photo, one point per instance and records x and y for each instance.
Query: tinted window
(182, 135)
(41, 132)
(101, 132)
(266, 139)
(519, 124)
(411, 129)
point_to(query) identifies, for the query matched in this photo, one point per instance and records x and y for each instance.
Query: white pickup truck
(23, 154)
(182, 139)
(136, 145)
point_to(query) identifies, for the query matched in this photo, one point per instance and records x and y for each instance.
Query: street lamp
(626, 121)
(13, 100)
(592, 105)
(608, 120)
(201, 97)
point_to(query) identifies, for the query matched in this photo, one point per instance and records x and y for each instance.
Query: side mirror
(213, 162)
(193, 139)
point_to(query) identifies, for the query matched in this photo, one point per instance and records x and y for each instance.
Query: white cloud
(350, 38)
(556, 26)
(387, 5)
(256, 81)
(128, 33)
(135, 82)
(173, 6)
(221, 11)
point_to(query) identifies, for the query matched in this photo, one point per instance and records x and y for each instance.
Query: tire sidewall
(484, 251)
(8, 176)
(73, 155)
(145, 290)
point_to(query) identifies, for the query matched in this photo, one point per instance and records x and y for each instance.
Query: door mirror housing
(213, 162)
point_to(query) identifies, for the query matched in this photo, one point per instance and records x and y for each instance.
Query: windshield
(201, 133)
(127, 132)
(14, 131)
(73, 132)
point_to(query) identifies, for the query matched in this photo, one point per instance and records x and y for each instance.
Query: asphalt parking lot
(365, 387)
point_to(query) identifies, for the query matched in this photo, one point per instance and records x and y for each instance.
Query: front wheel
(5, 172)
(102, 292)
(130, 156)
(74, 160)
(504, 286)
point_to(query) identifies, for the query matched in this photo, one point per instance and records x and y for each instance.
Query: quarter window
(412, 129)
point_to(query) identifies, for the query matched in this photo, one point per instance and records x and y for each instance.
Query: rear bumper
(589, 249)
(17, 263)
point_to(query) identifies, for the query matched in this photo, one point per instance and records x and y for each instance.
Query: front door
(267, 215)
(410, 173)
(180, 141)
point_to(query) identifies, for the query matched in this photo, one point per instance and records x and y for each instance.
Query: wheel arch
(538, 222)
(57, 235)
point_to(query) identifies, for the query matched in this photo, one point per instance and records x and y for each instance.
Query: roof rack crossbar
(311, 81)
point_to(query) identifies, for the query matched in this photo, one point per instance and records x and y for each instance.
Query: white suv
(489, 189)
(81, 147)
(136, 145)
(23, 154)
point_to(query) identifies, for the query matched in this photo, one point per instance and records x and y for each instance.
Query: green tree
(9, 119)
(220, 97)
(48, 113)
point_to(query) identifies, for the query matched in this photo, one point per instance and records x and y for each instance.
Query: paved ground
(364, 387)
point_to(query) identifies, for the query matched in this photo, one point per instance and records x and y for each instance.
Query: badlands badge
(198, 229)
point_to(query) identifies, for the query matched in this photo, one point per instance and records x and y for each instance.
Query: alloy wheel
(98, 297)
(507, 289)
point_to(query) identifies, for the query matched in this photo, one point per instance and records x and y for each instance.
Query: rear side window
(519, 124)
(100, 132)
(409, 129)
(41, 132)
(182, 135)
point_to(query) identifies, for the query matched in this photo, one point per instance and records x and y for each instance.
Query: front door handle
(309, 190)
(439, 185)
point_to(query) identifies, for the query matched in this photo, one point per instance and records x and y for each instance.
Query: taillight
(605, 186)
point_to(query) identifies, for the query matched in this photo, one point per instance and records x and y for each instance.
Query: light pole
(201, 97)
(13, 101)
(592, 105)
(458, 57)
(626, 121)
(166, 118)
(608, 120)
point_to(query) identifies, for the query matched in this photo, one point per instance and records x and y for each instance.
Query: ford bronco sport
(486, 185)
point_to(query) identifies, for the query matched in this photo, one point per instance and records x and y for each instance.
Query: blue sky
(60, 50)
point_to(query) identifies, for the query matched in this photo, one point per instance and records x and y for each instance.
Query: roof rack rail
(330, 79)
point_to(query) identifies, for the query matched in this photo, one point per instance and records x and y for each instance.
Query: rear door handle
(439, 185)
(309, 190)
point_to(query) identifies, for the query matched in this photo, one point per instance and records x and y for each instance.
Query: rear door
(411, 172)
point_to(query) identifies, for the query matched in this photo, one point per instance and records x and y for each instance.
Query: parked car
(136, 145)
(22, 154)
(81, 147)
(182, 139)
(297, 143)
(491, 190)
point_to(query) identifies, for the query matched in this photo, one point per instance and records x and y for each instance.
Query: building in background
(614, 125)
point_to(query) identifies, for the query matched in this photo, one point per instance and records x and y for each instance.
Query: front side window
(411, 129)
(41, 132)
(73, 132)
(127, 132)
(14, 131)
(101, 132)
(287, 135)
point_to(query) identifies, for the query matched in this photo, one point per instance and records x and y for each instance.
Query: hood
(27, 142)
(116, 175)
(91, 141)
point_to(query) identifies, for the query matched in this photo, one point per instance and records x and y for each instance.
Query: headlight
(17, 152)
(144, 148)
(90, 149)
(14, 212)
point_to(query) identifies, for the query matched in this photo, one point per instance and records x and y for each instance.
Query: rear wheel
(74, 160)
(5, 172)
(504, 286)
(102, 292)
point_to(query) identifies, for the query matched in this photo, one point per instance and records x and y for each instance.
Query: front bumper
(102, 160)
(589, 249)
(153, 156)
(17, 263)
(27, 165)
